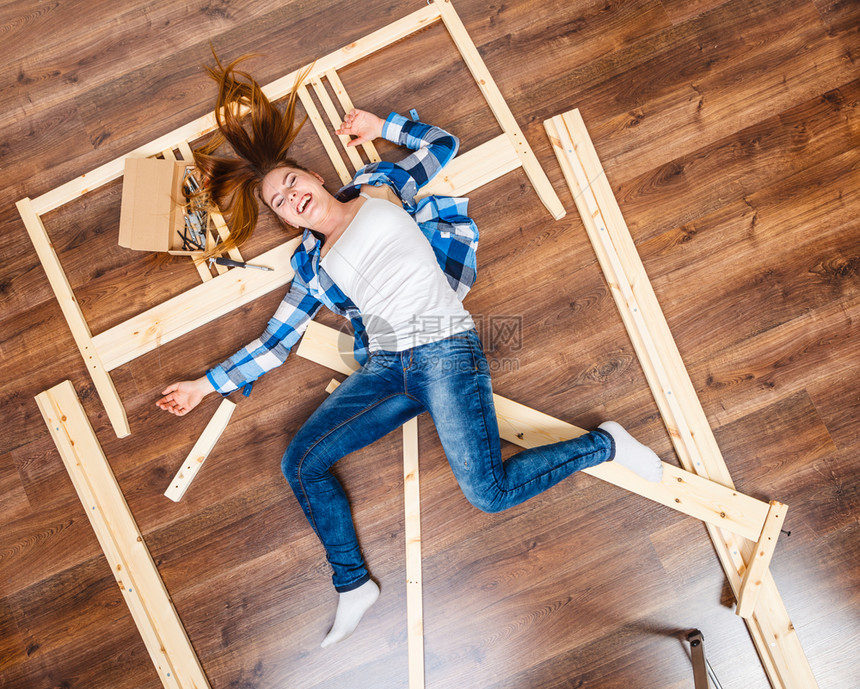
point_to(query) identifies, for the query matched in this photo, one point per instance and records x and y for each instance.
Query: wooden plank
(414, 599)
(336, 121)
(473, 169)
(771, 628)
(75, 318)
(323, 133)
(681, 490)
(200, 451)
(582, 183)
(500, 108)
(751, 584)
(130, 561)
(193, 308)
(346, 103)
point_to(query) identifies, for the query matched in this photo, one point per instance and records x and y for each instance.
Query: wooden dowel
(200, 451)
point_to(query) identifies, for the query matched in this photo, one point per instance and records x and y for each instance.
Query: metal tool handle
(697, 649)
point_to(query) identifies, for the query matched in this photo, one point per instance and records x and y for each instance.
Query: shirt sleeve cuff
(393, 127)
(222, 384)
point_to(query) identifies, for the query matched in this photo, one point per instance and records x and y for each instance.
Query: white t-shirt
(386, 266)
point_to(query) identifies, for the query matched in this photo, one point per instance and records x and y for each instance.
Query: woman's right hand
(362, 124)
(180, 398)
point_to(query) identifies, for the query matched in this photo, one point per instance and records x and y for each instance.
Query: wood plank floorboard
(729, 131)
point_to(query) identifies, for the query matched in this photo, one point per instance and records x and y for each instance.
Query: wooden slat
(336, 121)
(681, 490)
(414, 598)
(473, 169)
(193, 308)
(323, 133)
(774, 635)
(132, 565)
(200, 451)
(754, 576)
(500, 108)
(75, 318)
(346, 103)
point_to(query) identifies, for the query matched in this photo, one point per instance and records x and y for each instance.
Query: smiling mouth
(303, 204)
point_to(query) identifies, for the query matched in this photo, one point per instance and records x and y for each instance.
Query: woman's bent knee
(291, 463)
(488, 503)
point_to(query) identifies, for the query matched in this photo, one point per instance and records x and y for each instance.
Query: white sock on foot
(632, 454)
(351, 606)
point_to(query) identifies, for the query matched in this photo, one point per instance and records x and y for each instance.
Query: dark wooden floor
(729, 131)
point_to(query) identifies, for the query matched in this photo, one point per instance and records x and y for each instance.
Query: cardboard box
(153, 213)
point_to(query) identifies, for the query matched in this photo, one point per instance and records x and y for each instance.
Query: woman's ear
(321, 180)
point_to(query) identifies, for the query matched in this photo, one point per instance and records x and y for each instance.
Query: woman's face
(296, 196)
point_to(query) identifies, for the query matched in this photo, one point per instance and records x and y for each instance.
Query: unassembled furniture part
(200, 451)
(414, 586)
(227, 291)
(770, 627)
(129, 559)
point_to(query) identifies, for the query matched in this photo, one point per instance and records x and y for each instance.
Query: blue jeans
(450, 379)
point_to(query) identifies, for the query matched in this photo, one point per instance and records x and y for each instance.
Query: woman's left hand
(363, 125)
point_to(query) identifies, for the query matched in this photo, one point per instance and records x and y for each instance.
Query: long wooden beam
(679, 489)
(412, 530)
(129, 559)
(414, 586)
(770, 626)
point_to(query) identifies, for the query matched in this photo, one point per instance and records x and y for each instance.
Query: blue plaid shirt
(443, 220)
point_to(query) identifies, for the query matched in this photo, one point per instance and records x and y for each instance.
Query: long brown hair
(261, 140)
